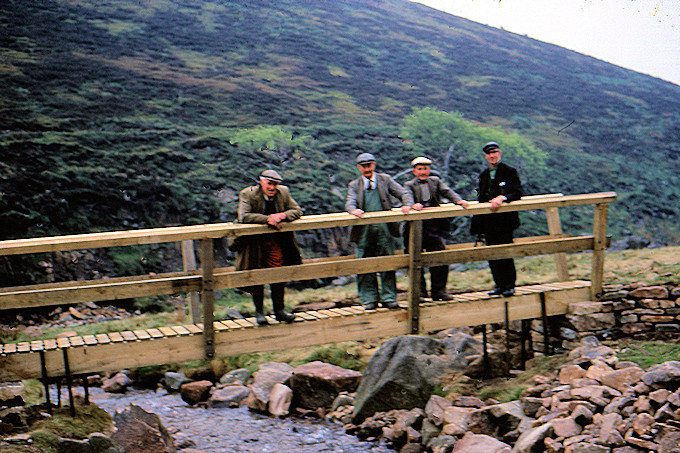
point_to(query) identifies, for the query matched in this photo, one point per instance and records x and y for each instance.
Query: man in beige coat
(267, 203)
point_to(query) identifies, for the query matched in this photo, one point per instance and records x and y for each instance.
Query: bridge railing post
(555, 228)
(599, 246)
(415, 270)
(208, 297)
(189, 264)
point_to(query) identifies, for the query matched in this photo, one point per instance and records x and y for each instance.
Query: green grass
(45, 433)
(648, 354)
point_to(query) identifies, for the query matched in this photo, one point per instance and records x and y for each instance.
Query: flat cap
(490, 147)
(365, 158)
(271, 175)
(421, 161)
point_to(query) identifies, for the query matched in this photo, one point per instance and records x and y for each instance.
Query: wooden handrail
(206, 280)
(311, 222)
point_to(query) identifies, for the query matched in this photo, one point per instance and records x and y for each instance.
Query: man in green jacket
(268, 203)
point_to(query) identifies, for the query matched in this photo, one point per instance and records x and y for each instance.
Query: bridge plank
(193, 329)
(181, 330)
(63, 342)
(50, 344)
(102, 338)
(76, 341)
(167, 331)
(37, 345)
(305, 316)
(141, 334)
(155, 333)
(116, 337)
(231, 324)
(89, 340)
(219, 326)
(245, 323)
(129, 336)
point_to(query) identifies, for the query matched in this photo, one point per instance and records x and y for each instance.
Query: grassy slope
(119, 113)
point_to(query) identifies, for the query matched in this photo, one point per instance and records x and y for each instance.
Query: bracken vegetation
(119, 114)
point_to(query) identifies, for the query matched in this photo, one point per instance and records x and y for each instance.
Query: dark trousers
(503, 271)
(439, 275)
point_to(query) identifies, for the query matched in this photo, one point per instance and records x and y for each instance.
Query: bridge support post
(415, 270)
(45, 381)
(69, 383)
(208, 297)
(599, 245)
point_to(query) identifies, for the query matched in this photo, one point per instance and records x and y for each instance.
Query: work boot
(261, 319)
(277, 300)
(284, 316)
(495, 292)
(442, 295)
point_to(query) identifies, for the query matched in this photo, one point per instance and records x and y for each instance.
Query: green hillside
(127, 114)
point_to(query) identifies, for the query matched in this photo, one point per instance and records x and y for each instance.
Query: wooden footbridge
(209, 338)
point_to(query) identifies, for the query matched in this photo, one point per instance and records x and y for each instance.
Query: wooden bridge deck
(118, 350)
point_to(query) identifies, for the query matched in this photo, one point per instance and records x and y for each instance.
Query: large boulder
(405, 370)
(317, 384)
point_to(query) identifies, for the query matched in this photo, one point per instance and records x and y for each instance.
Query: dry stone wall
(623, 311)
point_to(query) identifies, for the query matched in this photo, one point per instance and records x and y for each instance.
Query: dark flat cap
(490, 147)
(271, 175)
(365, 158)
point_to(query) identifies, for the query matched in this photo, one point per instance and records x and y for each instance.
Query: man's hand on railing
(405, 209)
(496, 202)
(357, 212)
(276, 219)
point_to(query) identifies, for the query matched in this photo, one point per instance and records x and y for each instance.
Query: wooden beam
(218, 230)
(599, 245)
(189, 264)
(224, 278)
(555, 228)
(415, 270)
(208, 297)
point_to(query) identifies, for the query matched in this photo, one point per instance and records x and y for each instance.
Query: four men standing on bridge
(267, 203)
(499, 183)
(270, 203)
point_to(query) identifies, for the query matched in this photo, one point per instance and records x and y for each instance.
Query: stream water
(226, 430)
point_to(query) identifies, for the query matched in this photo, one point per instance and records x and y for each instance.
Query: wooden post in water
(599, 245)
(415, 270)
(208, 297)
(189, 262)
(554, 228)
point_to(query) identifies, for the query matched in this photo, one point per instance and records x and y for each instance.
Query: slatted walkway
(113, 351)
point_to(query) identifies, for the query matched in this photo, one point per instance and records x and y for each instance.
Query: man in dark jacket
(428, 191)
(369, 193)
(498, 184)
(268, 203)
